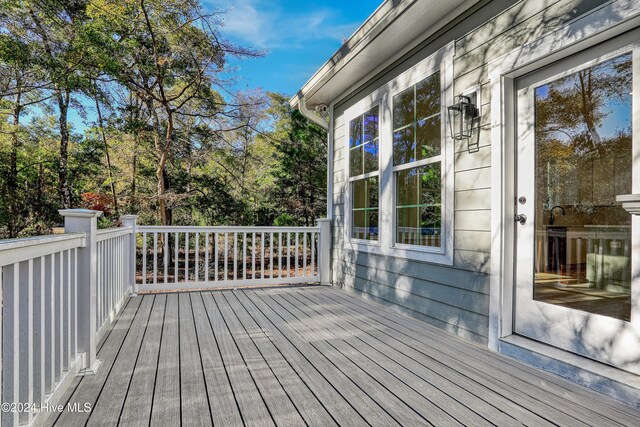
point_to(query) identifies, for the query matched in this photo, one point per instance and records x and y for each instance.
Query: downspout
(314, 115)
(330, 143)
(317, 118)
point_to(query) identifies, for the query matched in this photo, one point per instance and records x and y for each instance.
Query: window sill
(414, 253)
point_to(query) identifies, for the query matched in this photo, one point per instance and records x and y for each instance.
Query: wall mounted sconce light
(464, 121)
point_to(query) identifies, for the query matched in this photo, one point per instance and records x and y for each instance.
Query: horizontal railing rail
(18, 250)
(177, 257)
(112, 233)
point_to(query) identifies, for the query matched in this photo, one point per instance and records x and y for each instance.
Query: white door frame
(603, 23)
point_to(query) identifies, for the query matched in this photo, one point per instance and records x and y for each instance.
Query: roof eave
(367, 49)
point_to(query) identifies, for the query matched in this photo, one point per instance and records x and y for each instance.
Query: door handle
(521, 218)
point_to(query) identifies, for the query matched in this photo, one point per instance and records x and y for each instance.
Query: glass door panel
(583, 159)
(577, 262)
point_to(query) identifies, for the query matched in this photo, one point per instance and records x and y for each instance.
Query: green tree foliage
(123, 106)
(300, 170)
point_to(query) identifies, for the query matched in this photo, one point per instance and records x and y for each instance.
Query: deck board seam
(374, 378)
(83, 379)
(106, 335)
(501, 382)
(364, 392)
(135, 363)
(226, 345)
(566, 386)
(233, 338)
(488, 379)
(361, 352)
(444, 378)
(204, 377)
(268, 364)
(155, 377)
(124, 338)
(226, 371)
(292, 368)
(304, 356)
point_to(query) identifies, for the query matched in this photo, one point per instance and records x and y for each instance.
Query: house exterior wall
(456, 297)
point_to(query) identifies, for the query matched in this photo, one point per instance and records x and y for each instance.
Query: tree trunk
(106, 155)
(12, 181)
(135, 117)
(134, 171)
(588, 109)
(161, 152)
(63, 172)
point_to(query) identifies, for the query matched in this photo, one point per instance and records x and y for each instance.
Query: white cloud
(266, 25)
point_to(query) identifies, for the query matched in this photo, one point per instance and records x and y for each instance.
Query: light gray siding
(454, 298)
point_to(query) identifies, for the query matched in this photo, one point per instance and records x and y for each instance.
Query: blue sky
(299, 36)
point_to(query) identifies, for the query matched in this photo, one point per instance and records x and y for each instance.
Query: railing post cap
(323, 219)
(129, 216)
(80, 213)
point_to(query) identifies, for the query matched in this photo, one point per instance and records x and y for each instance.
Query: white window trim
(442, 61)
(601, 24)
(362, 107)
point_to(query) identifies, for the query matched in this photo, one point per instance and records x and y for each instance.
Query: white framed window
(364, 165)
(414, 180)
(417, 163)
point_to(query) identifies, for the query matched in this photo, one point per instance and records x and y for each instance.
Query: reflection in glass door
(583, 159)
(576, 151)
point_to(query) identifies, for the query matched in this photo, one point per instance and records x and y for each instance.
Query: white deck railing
(39, 320)
(113, 283)
(61, 292)
(202, 257)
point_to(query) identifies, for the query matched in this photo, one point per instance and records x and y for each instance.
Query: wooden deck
(311, 356)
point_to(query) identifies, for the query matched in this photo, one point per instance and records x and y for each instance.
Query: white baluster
(144, 258)
(176, 260)
(206, 257)
(166, 258)
(197, 256)
(186, 257)
(304, 254)
(262, 256)
(225, 255)
(155, 258)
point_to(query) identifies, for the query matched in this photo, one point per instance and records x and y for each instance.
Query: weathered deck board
(324, 389)
(251, 402)
(282, 409)
(302, 396)
(107, 411)
(493, 407)
(552, 395)
(396, 398)
(165, 408)
(193, 394)
(224, 409)
(463, 358)
(368, 408)
(311, 356)
(137, 406)
(90, 386)
(419, 393)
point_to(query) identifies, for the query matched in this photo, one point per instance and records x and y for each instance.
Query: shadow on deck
(314, 356)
